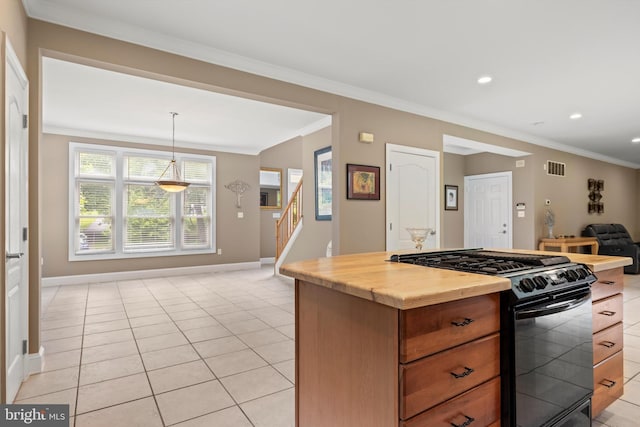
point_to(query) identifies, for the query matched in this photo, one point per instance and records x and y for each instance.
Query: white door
(16, 245)
(412, 194)
(487, 211)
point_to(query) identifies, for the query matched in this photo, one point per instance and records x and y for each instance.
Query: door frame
(467, 211)
(12, 65)
(420, 152)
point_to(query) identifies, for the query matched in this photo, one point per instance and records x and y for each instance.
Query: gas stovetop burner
(530, 274)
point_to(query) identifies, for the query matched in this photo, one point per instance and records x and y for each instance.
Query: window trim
(118, 208)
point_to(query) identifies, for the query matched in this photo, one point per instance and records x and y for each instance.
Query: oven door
(553, 359)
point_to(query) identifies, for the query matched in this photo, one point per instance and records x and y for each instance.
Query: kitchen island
(391, 344)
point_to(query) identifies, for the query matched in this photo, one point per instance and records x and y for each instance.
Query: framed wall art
(363, 182)
(451, 197)
(322, 162)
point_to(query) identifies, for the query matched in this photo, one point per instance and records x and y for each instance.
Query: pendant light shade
(170, 180)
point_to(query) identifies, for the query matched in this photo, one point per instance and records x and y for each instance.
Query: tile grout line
(146, 373)
(200, 356)
(84, 322)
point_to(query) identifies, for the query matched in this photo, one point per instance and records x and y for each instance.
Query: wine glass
(419, 235)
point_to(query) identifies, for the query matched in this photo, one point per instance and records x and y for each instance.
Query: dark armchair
(615, 240)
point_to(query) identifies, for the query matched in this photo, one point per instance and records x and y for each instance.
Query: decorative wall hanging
(450, 197)
(595, 186)
(238, 187)
(363, 182)
(323, 171)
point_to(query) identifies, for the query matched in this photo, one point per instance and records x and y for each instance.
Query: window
(117, 210)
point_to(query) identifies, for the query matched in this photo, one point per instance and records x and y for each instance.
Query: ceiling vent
(556, 168)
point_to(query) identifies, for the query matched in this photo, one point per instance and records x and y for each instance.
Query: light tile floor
(199, 350)
(210, 350)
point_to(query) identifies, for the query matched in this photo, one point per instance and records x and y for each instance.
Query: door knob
(504, 231)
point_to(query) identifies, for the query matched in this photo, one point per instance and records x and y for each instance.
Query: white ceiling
(79, 100)
(548, 58)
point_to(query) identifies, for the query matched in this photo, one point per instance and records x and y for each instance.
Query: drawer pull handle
(608, 344)
(467, 371)
(608, 313)
(464, 424)
(607, 282)
(464, 322)
(608, 383)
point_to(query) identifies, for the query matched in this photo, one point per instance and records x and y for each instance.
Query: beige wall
(568, 195)
(238, 238)
(282, 156)
(315, 235)
(14, 23)
(453, 221)
(522, 191)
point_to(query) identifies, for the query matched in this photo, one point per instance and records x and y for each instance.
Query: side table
(565, 244)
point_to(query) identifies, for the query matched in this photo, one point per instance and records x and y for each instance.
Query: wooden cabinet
(478, 406)
(607, 339)
(452, 352)
(378, 366)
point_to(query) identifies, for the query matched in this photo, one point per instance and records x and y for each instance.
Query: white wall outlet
(219, 251)
(240, 215)
(547, 202)
(519, 163)
(276, 215)
(520, 214)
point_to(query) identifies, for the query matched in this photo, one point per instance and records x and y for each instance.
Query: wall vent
(556, 168)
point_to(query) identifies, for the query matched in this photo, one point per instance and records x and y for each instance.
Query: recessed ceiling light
(575, 116)
(484, 80)
(635, 140)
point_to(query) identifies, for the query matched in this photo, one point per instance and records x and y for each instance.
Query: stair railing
(289, 220)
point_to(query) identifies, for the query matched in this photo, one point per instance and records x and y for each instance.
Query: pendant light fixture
(173, 182)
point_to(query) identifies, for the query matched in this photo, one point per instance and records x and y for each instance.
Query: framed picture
(322, 162)
(451, 197)
(363, 182)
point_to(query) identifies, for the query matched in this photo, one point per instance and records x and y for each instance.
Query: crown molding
(70, 17)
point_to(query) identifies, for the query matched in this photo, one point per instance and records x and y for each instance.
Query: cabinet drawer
(610, 282)
(607, 312)
(607, 383)
(607, 342)
(428, 330)
(429, 381)
(479, 406)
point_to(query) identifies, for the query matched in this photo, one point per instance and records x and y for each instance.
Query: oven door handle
(554, 307)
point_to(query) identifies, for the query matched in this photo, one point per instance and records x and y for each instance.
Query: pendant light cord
(173, 136)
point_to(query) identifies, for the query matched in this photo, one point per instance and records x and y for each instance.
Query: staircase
(289, 221)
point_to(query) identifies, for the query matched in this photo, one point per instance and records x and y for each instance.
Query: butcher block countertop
(404, 286)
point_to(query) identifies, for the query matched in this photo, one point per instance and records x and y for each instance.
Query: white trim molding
(34, 362)
(83, 279)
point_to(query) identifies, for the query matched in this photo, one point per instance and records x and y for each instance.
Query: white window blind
(120, 212)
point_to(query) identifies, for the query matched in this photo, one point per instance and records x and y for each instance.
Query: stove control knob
(527, 285)
(540, 282)
(582, 273)
(571, 275)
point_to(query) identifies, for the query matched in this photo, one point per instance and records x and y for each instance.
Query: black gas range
(546, 333)
(532, 276)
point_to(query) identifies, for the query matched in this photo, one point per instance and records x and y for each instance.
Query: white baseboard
(83, 279)
(264, 261)
(34, 362)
